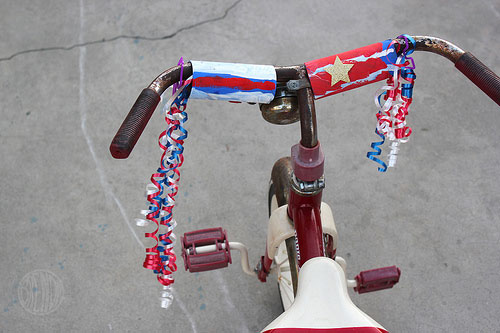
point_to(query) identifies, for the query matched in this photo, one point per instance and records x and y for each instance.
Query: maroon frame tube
(304, 210)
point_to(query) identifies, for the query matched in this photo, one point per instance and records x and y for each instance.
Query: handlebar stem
(307, 112)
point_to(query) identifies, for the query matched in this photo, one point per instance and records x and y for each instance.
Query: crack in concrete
(112, 39)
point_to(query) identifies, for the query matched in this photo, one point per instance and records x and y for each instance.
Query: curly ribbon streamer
(397, 95)
(372, 155)
(161, 192)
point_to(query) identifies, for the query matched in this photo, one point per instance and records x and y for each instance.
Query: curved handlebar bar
(470, 66)
(142, 110)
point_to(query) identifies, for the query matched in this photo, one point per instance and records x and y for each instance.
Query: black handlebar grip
(132, 127)
(480, 75)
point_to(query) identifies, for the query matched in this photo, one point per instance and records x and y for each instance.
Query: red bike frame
(305, 213)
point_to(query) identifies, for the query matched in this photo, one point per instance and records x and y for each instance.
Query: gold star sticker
(339, 71)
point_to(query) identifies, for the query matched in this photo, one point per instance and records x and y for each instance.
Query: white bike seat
(322, 303)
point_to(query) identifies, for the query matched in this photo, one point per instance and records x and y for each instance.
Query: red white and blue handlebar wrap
(351, 69)
(233, 82)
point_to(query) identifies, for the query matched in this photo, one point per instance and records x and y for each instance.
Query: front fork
(304, 211)
(304, 202)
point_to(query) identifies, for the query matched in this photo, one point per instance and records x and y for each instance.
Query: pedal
(377, 279)
(205, 250)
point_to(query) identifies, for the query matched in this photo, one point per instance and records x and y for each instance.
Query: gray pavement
(71, 255)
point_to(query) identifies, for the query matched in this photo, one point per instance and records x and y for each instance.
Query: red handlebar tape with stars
(351, 69)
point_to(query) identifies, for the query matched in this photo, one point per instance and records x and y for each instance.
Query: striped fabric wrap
(233, 82)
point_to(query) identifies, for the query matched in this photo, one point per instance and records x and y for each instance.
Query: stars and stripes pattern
(351, 69)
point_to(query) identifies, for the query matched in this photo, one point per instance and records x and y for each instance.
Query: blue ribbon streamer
(168, 166)
(407, 88)
(377, 151)
(407, 73)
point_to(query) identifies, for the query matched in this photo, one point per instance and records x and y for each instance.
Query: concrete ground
(71, 256)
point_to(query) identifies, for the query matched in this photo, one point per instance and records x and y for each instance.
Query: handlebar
(132, 127)
(483, 77)
(142, 110)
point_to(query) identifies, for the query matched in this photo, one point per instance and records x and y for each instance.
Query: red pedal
(205, 250)
(377, 279)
